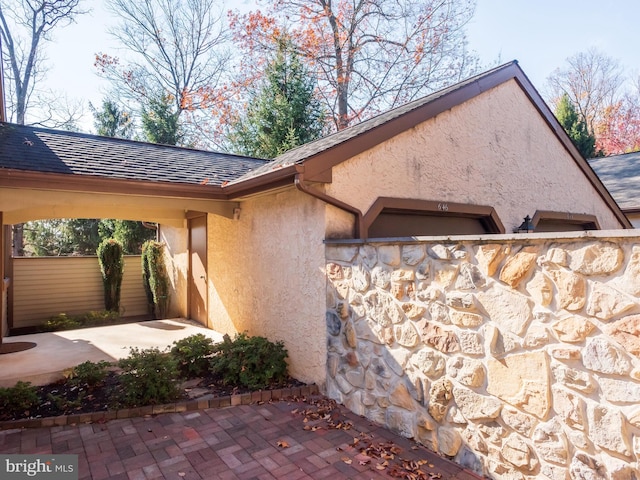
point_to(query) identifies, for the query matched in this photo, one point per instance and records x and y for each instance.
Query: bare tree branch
(370, 55)
(172, 47)
(592, 80)
(24, 25)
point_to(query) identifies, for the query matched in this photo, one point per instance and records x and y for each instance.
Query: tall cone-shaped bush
(155, 278)
(112, 268)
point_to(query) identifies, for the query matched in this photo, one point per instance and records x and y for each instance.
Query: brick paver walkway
(267, 441)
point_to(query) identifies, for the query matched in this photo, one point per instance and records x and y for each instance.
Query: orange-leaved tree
(369, 55)
(619, 129)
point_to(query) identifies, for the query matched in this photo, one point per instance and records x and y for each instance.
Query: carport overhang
(29, 195)
(26, 195)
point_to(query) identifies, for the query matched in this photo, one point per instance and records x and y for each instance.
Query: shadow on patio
(56, 351)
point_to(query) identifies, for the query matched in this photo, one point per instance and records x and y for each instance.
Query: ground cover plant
(96, 318)
(153, 376)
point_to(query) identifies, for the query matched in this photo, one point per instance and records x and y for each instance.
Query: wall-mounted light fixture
(526, 226)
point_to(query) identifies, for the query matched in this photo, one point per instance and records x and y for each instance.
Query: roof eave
(340, 152)
(278, 178)
(13, 178)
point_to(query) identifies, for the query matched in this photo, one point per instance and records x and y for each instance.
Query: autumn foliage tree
(370, 55)
(619, 129)
(598, 90)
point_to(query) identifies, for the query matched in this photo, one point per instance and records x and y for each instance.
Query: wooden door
(198, 270)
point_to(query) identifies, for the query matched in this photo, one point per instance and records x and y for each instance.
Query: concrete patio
(57, 351)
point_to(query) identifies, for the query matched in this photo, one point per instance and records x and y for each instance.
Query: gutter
(359, 224)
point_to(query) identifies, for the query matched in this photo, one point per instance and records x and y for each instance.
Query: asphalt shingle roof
(621, 175)
(54, 151)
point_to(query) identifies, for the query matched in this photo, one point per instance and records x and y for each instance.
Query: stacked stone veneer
(515, 357)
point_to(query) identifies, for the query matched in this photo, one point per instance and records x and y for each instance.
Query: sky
(540, 34)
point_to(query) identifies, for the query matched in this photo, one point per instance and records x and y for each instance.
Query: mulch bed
(66, 398)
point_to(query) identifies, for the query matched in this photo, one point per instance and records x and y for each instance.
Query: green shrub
(61, 322)
(148, 377)
(64, 404)
(89, 373)
(252, 362)
(155, 278)
(98, 318)
(111, 262)
(192, 354)
(17, 400)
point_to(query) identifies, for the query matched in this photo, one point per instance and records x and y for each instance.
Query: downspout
(358, 227)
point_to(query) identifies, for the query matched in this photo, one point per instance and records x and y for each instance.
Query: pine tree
(575, 127)
(283, 112)
(160, 124)
(111, 121)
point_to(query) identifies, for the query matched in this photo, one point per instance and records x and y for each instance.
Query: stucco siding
(266, 276)
(176, 252)
(494, 150)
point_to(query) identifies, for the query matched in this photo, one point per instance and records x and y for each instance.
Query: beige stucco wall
(176, 242)
(493, 150)
(266, 276)
(518, 356)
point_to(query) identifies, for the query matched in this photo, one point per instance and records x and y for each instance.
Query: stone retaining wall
(516, 356)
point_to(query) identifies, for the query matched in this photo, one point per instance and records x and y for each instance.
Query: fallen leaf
(346, 460)
(283, 444)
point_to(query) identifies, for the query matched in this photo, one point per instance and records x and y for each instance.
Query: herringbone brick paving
(260, 441)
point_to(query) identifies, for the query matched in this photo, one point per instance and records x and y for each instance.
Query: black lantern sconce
(526, 226)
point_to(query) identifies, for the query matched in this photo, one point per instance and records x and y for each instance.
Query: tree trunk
(18, 240)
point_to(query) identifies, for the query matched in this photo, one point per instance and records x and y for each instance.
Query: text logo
(50, 467)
